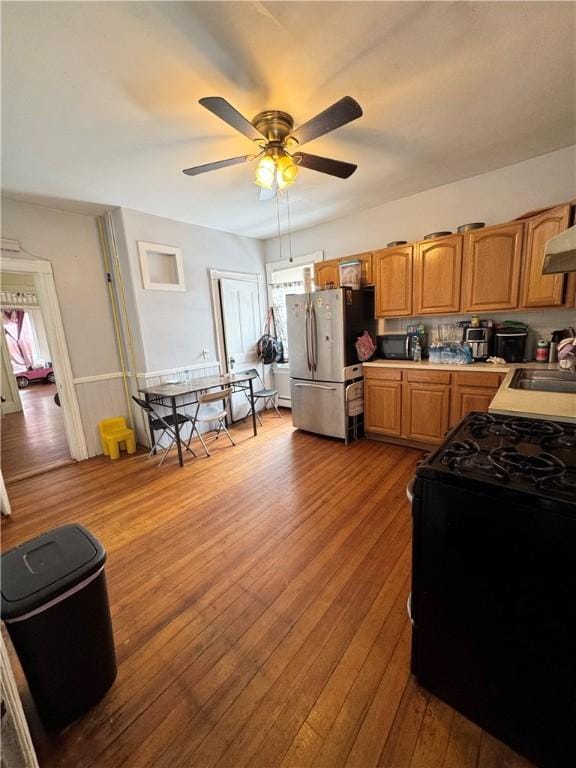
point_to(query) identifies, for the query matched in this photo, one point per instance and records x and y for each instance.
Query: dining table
(168, 393)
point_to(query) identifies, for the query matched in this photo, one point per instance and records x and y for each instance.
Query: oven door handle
(410, 490)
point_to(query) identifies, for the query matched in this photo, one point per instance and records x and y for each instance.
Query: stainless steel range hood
(560, 253)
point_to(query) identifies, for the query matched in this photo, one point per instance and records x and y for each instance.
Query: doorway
(239, 299)
(33, 427)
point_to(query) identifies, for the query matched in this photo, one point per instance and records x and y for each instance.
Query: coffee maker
(511, 345)
(480, 340)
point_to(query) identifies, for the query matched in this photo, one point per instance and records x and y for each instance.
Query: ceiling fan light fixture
(287, 170)
(265, 172)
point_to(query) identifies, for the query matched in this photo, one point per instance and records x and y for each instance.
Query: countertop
(425, 365)
(508, 401)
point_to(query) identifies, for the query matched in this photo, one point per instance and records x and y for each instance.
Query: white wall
(70, 242)
(174, 327)
(492, 197)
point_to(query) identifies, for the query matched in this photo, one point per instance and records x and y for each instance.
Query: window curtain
(18, 336)
(279, 293)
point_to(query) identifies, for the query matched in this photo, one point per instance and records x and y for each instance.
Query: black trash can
(55, 605)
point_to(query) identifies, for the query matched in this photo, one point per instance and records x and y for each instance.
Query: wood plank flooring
(259, 609)
(35, 437)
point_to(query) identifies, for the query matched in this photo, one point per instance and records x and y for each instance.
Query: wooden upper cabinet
(437, 276)
(392, 269)
(491, 267)
(540, 290)
(366, 261)
(327, 274)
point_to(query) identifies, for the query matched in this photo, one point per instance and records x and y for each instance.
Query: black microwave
(396, 346)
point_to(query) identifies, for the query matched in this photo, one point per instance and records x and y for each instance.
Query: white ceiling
(100, 100)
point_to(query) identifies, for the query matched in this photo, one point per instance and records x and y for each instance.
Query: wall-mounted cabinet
(365, 260)
(392, 268)
(491, 268)
(438, 276)
(327, 273)
(540, 290)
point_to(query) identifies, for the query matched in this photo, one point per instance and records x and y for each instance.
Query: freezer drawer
(319, 406)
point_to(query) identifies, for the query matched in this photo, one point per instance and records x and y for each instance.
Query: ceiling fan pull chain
(289, 226)
(279, 231)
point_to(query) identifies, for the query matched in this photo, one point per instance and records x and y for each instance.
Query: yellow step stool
(113, 432)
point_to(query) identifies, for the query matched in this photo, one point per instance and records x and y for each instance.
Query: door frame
(250, 277)
(50, 309)
(12, 383)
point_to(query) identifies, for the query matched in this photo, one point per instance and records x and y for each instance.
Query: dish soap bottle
(417, 350)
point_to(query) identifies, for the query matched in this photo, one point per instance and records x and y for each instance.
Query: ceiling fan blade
(225, 111)
(214, 166)
(325, 165)
(342, 112)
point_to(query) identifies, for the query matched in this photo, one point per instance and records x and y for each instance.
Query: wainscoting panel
(99, 399)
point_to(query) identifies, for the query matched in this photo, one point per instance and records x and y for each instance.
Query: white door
(242, 322)
(10, 401)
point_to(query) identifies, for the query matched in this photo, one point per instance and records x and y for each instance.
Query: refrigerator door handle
(314, 339)
(315, 386)
(308, 361)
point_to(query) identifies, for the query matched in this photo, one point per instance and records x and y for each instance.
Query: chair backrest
(113, 424)
(143, 404)
(254, 371)
(212, 397)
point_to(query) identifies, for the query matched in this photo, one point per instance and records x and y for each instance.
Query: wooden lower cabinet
(383, 407)
(383, 401)
(425, 411)
(472, 392)
(421, 406)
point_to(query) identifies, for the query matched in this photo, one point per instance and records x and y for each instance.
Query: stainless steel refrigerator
(322, 329)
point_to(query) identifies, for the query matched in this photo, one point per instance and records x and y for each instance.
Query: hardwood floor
(259, 608)
(33, 438)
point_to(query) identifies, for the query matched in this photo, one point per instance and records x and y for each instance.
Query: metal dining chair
(269, 396)
(165, 425)
(208, 410)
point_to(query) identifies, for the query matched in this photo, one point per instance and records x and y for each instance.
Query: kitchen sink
(544, 381)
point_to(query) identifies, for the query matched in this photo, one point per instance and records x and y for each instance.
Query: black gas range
(494, 580)
(521, 455)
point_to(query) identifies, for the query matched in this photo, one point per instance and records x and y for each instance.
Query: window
(285, 278)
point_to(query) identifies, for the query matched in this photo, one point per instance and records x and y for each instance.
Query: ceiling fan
(273, 133)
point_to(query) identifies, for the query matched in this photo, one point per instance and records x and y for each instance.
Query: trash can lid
(44, 568)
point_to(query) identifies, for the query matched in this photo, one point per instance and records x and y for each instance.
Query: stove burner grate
(512, 465)
(483, 425)
(533, 428)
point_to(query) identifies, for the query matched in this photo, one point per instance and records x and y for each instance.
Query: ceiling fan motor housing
(274, 125)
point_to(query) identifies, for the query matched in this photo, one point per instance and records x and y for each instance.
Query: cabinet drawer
(427, 377)
(478, 379)
(384, 374)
